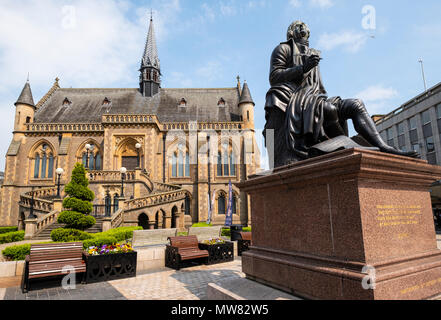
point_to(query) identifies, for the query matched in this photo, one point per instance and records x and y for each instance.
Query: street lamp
(138, 149)
(89, 147)
(123, 175)
(59, 172)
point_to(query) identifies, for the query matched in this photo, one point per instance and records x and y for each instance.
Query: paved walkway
(165, 284)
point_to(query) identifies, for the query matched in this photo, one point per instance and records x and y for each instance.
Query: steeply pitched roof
(150, 57)
(26, 96)
(246, 95)
(88, 105)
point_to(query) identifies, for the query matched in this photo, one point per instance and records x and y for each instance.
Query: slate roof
(87, 105)
(26, 96)
(150, 57)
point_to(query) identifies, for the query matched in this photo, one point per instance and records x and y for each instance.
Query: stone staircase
(45, 234)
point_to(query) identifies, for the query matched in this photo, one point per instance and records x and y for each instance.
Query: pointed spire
(26, 95)
(150, 57)
(246, 95)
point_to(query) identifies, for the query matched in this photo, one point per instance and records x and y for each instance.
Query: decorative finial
(27, 78)
(151, 14)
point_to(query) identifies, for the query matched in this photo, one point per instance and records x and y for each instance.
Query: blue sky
(99, 43)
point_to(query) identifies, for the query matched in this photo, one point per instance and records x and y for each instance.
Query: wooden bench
(48, 260)
(244, 243)
(183, 248)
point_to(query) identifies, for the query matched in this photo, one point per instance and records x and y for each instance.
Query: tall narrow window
(37, 166)
(50, 170)
(84, 159)
(221, 204)
(233, 204)
(43, 166)
(233, 163)
(187, 164)
(174, 165)
(98, 162)
(181, 164)
(91, 161)
(219, 164)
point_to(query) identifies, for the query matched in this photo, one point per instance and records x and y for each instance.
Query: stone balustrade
(64, 127)
(107, 176)
(155, 199)
(128, 118)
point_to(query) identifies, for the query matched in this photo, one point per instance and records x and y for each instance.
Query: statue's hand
(310, 63)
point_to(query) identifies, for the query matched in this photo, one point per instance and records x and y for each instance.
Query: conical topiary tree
(78, 201)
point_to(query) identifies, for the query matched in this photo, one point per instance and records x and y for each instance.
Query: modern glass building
(416, 125)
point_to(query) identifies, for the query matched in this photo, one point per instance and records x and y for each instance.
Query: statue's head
(298, 31)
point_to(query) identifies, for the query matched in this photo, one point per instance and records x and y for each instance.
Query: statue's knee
(331, 112)
(359, 105)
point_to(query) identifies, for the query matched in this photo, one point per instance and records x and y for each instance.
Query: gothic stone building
(176, 144)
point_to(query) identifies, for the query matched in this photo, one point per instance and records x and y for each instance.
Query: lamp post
(59, 172)
(209, 178)
(123, 175)
(138, 149)
(88, 148)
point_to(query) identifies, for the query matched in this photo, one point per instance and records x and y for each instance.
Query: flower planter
(219, 253)
(110, 266)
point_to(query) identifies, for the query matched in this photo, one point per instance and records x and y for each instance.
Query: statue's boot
(365, 126)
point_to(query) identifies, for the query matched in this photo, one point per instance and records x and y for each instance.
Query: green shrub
(121, 234)
(226, 232)
(76, 220)
(17, 253)
(12, 237)
(68, 235)
(182, 234)
(246, 229)
(99, 241)
(78, 201)
(201, 225)
(8, 229)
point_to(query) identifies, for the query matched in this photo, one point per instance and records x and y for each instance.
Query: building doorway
(143, 221)
(130, 163)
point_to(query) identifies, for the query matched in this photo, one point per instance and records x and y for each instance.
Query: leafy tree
(79, 201)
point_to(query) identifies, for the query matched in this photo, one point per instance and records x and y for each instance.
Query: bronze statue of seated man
(298, 108)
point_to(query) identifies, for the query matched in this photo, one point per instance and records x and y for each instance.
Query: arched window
(234, 204)
(95, 157)
(43, 162)
(187, 205)
(180, 163)
(221, 204)
(226, 161)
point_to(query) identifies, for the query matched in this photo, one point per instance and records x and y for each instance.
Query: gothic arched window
(43, 162)
(221, 203)
(181, 162)
(226, 161)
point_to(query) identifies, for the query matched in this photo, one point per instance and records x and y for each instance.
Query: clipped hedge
(226, 232)
(121, 234)
(99, 241)
(76, 220)
(12, 237)
(17, 253)
(201, 225)
(8, 229)
(67, 235)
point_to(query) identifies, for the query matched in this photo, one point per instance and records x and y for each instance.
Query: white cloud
(87, 44)
(376, 98)
(228, 9)
(351, 41)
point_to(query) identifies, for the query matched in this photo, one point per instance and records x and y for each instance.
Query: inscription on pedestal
(396, 215)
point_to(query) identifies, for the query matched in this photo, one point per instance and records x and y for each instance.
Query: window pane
(221, 204)
(416, 147)
(233, 204)
(233, 164)
(401, 128)
(226, 165)
(84, 160)
(187, 164)
(181, 164)
(91, 160)
(219, 165)
(50, 171)
(430, 145)
(426, 117)
(390, 134)
(174, 168)
(98, 162)
(412, 123)
(43, 166)
(37, 166)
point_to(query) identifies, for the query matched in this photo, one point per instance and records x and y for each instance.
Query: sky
(370, 49)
